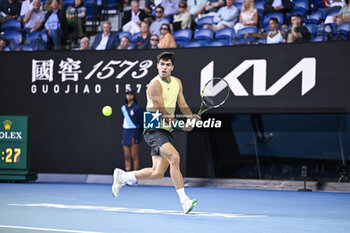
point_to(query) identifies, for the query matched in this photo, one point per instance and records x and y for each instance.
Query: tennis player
(163, 92)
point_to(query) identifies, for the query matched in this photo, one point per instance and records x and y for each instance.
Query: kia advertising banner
(64, 93)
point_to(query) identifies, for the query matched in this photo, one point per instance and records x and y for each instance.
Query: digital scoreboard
(15, 148)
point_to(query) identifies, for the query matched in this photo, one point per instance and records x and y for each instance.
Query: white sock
(182, 194)
(128, 176)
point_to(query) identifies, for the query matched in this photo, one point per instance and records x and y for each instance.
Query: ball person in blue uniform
(132, 130)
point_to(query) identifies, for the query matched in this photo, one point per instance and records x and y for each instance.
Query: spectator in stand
(124, 43)
(143, 40)
(273, 36)
(344, 14)
(35, 18)
(4, 44)
(126, 3)
(27, 5)
(183, 19)
(132, 19)
(225, 17)
(213, 6)
(159, 21)
(171, 8)
(196, 7)
(154, 41)
(151, 5)
(278, 6)
(298, 32)
(76, 15)
(333, 5)
(166, 40)
(55, 23)
(9, 9)
(106, 40)
(84, 43)
(249, 16)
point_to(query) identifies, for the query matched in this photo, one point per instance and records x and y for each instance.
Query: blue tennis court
(62, 207)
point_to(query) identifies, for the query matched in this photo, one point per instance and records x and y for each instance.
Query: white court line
(45, 229)
(140, 211)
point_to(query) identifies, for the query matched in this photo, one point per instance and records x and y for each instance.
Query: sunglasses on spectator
(163, 28)
(182, 6)
(154, 39)
(159, 11)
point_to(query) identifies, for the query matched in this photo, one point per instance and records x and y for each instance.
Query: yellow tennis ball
(107, 110)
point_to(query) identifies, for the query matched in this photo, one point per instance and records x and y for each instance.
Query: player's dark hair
(166, 56)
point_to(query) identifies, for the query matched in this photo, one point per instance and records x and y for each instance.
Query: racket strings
(209, 100)
(215, 92)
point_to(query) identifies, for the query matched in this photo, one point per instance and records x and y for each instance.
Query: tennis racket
(214, 94)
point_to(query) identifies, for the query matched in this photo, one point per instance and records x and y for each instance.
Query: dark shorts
(129, 134)
(155, 138)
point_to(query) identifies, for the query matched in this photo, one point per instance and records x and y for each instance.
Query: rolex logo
(7, 124)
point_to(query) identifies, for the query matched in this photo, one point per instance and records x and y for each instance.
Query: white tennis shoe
(188, 205)
(117, 184)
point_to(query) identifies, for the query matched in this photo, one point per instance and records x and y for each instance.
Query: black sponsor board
(64, 92)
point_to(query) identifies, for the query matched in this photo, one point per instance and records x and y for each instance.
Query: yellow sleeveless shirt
(170, 92)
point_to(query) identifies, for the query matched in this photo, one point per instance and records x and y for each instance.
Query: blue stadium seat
(260, 19)
(279, 16)
(217, 44)
(225, 35)
(240, 34)
(239, 6)
(67, 3)
(344, 27)
(332, 13)
(131, 46)
(122, 34)
(194, 44)
(319, 39)
(342, 32)
(260, 6)
(13, 36)
(205, 34)
(316, 5)
(312, 27)
(329, 28)
(316, 17)
(38, 40)
(326, 30)
(89, 2)
(299, 12)
(135, 36)
(301, 5)
(92, 12)
(26, 47)
(182, 37)
(205, 20)
(10, 25)
(112, 4)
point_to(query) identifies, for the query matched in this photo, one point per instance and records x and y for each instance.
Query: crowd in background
(153, 26)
